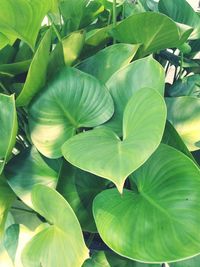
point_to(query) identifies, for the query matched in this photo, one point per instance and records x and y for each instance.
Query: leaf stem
(54, 28)
(21, 209)
(114, 17)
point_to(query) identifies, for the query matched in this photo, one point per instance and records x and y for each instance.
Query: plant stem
(181, 66)
(114, 17)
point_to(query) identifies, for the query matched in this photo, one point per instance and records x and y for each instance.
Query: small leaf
(9, 127)
(36, 77)
(59, 244)
(6, 199)
(28, 169)
(72, 46)
(184, 114)
(66, 105)
(101, 151)
(158, 220)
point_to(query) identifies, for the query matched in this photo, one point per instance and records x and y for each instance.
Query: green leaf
(157, 221)
(101, 64)
(193, 262)
(180, 11)
(101, 151)
(59, 244)
(72, 12)
(153, 30)
(187, 86)
(28, 169)
(109, 259)
(8, 122)
(172, 138)
(6, 199)
(184, 114)
(26, 27)
(79, 188)
(36, 77)
(128, 80)
(16, 238)
(15, 68)
(66, 105)
(72, 46)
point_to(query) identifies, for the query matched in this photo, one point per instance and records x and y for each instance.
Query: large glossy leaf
(72, 100)
(22, 19)
(182, 12)
(184, 114)
(158, 220)
(153, 30)
(28, 169)
(6, 199)
(101, 64)
(59, 244)
(141, 73)
(8, 131)
(36, 77)
(79, 188)
(103, 153)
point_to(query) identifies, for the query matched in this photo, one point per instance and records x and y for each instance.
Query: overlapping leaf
(72, 100)
(103, 153)
(158, 220)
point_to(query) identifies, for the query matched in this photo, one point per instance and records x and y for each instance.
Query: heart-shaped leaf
(153, 30)
(32, 169)
(128, 80)
(8, 131)
(72, 100)
(101, 64)
(26, 27)
(184, 114)
(36, 77)
(101, 151)
(158, 221)
(79, 188)
(180, 11)
(59, 244)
